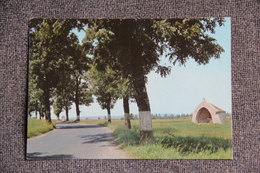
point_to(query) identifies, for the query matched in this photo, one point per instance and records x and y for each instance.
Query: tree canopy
(105, 88)
(122, 53)
(53, 48)
(134, 47)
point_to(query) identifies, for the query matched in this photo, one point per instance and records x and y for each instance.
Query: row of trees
(160, 116)
(170, 116)
(113, 61)
(56, 68)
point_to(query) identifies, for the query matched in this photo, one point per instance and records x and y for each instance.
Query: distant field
(196, 141)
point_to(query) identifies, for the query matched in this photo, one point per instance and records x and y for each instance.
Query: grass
(191, 144)
(159, 152)
(37, 127)
(174, 139)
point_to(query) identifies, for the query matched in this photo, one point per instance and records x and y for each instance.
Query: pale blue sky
(182, 90)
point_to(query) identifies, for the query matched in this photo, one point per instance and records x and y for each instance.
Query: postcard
(129, 89)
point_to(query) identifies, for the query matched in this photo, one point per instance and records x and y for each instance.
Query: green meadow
(176, 138)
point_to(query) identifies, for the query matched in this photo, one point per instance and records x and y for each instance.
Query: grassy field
(174, 139)
(37, 127)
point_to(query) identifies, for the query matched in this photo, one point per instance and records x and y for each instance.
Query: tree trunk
(36, 115)
(109, 115)
(126, 110)
(47, 105)
(77, 111)
(58, 116)
(41, 113)
(145, 117)
(67, 113)
(77, 100)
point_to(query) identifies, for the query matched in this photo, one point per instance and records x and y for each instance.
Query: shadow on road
(43, 156)
(98, 138)
(74, 126)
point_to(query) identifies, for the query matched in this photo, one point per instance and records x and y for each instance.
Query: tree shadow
(98, 138)
(43, 156)
(75, 126)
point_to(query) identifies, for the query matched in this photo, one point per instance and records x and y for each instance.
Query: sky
(184, 89)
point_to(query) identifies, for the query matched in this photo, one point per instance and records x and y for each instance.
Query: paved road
(75, 141)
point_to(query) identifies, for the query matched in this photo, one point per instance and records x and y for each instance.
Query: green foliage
(159, 152)
(182, 144)
(126, 137)
(211, 141)
(63, 93)
(35, 99)
(79, 64)
(104, 86)
(134, 45)
(48, 47)
(57, 106)
(190, 144)
(169, 116)
(56, 65)
(37, 127)
(50, 40)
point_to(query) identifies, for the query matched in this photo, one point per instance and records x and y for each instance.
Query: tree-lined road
(75, 141)
(113, 62)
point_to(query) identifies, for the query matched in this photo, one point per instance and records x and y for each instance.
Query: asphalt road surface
(75, 141)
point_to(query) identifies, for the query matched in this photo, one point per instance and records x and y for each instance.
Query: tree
(104, 87)
(79, 65)
(63, 92)
(49, 39)
(82, 94)
(126, 92)
(35, 100)
(73, 87)
(50, 46)
(57, 106)
(133, 46)
(124, 89)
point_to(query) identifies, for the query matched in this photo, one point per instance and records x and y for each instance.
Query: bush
(126, 137)
(194, 144)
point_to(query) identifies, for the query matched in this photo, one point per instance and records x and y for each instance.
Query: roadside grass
(159, 152)
(37, 127)
(177, 138)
